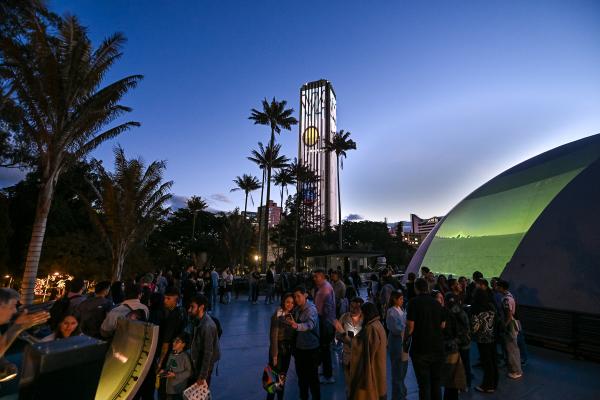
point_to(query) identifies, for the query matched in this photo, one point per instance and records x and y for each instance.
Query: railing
(572, 332)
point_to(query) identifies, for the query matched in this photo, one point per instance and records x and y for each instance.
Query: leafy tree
(131, 202)
(72, 244)
(236, 233)
(283, 178)
(267, 158)
(15, 148)
(277, 117)
(248, 184)
(56, 79)
(340, 143)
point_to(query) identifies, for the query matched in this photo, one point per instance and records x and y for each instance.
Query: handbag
(272, 381)
(197, 392)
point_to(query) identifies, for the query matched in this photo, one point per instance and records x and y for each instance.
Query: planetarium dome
(536, 225)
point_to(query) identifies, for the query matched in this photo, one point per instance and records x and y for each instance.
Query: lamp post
(10, 278)
(256, 258)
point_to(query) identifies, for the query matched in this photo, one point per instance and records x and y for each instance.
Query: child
(178, 368)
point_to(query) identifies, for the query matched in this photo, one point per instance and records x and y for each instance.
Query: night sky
(439, 96)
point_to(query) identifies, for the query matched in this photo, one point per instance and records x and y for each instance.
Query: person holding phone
(282, 337)
(346, 328)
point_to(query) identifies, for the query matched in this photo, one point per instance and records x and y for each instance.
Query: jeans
(513, 357)
(399, 368)
(522, 346)
(214, 294)
(228, 295)
(269, 296)
(489, 363)
(307, 369)
(465, 356)
(254, 292)
(428, 370)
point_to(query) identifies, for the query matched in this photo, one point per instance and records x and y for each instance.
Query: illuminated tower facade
(317, 126)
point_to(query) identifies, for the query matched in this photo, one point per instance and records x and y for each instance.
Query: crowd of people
(432, 321)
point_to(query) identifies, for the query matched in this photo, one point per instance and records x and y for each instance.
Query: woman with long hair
(453, 371)
(282, 338)
(395, 321)
(67, 327)
(483, 326)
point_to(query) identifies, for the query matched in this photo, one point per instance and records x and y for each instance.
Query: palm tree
(303, 176)
(340, 143)
(235, 233)
(283, 178)
(56, 80)
(248, 184)
(131, 202)
(276, 116)
(267, 158)
(196, 204)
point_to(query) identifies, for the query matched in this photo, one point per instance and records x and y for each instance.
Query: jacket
(204, 349)
(368, 363)
(280, 333)
(308, 327)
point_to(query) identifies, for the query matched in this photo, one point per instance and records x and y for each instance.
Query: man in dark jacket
(425, 321)
(306, 356)
(93, 310)
(204, 350)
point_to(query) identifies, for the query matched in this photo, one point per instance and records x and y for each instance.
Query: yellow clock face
(310, 136)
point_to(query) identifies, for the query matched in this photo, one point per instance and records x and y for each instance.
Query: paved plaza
(244, 350)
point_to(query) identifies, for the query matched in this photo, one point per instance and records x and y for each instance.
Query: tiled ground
(244, 347)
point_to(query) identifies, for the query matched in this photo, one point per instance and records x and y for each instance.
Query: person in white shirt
(131, 304)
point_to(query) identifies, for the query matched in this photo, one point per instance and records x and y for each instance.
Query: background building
(274, 213)
(423, 226)
(317, 124)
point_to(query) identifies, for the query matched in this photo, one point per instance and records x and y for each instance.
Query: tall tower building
(317, 126)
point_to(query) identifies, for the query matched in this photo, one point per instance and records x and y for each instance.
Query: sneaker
(514, 375)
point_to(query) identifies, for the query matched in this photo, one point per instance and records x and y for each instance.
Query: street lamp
(256, 258)
(10, 279)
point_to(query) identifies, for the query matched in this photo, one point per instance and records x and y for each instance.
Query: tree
(304, 177)
(131, 202)
(248, 184)
(340, 143)
(196, 204)
(276, 116)
(267, 158)
(56, 81)
(283, 178)
(15, 148)
(236, 232)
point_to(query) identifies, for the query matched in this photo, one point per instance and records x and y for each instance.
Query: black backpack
(218, 324)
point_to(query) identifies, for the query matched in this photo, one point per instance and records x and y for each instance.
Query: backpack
(218, 324)
(91, 318)
(463, 329)
(138, 315)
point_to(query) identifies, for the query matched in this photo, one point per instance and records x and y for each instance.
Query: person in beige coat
(368, 358)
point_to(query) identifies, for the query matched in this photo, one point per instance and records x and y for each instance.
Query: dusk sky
(439, 96)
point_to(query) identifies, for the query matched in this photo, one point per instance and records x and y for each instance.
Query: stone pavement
(244, 350)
